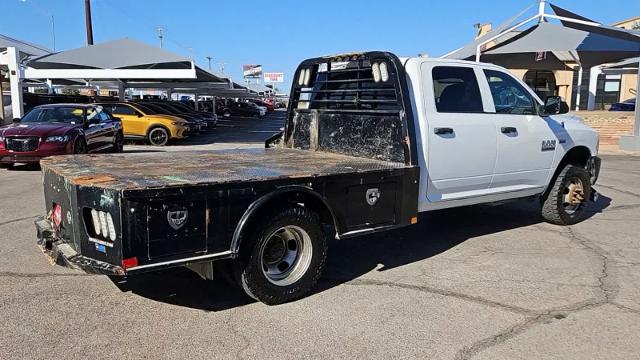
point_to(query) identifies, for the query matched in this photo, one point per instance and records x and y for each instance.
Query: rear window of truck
(456, 90)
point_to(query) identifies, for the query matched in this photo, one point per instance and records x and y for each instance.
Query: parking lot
(482, 282)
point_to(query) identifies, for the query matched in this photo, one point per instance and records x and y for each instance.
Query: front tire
(118, 145)
(284, 258)
(158, 136)
(565, 204)
(80, 146)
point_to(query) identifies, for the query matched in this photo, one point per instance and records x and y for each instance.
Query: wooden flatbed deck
(184, 168)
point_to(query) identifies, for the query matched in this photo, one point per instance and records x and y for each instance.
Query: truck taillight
(56, 215)
(130, 262)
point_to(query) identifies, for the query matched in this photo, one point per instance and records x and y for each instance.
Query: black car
(210, 118)
(627, 105)
(233, 108)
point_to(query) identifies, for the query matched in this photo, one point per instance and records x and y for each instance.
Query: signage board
(273, 77)
(252, 71)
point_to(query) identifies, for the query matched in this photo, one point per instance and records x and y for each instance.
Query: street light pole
(209, 59)
(53, 32)
(160, 30)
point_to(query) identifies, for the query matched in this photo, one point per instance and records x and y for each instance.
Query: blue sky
(279, 33)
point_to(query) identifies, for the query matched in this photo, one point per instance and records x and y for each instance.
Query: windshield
(61, 114)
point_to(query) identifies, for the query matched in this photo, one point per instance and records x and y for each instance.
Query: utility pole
(209, 59)
(160, 31)
(87, 17)
(221, 67)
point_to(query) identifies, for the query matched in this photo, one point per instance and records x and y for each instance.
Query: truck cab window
(456, 90)
(509, 97)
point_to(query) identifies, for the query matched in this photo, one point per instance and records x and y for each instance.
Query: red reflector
(130, 262)
(56, 215)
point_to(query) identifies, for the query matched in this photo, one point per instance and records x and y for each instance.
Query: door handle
(442, 130)
(508, 130)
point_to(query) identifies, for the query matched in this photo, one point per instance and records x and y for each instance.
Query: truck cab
(483, 135)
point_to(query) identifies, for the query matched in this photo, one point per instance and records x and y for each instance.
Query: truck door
(460, 137)
(526, 141)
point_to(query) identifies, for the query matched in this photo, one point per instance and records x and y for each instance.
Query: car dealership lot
(491, 282)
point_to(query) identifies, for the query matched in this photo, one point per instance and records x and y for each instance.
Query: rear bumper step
(63, 254)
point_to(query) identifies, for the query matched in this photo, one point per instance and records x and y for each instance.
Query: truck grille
(22, 144)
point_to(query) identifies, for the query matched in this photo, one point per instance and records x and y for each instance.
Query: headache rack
(353, 104)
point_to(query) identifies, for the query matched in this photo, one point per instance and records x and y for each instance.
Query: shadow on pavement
(25, 167)
(435, 233)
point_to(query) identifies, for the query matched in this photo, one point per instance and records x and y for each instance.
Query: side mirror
(16, 120)
(554, 105)
(138, 114)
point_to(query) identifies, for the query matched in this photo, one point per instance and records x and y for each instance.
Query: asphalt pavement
(481, 282)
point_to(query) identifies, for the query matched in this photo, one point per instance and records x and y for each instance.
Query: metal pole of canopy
(579, 87)
(15, 80)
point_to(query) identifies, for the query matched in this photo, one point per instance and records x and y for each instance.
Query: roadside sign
(541, 55)
(273, 77)
(252, 71)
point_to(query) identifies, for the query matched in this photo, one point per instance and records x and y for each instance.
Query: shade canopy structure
(118, 64)
(26, 48)
(119, 59)
(561, 40)
(12, 53)
(538, 43)
(259, 88)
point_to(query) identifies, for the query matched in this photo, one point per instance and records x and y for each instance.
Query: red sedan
(59, 129)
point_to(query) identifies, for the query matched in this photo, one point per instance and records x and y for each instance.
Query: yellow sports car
(140, 122)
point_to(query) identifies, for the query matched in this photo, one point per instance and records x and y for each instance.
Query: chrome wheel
(574, 196)
(286, 255)
(158, 137)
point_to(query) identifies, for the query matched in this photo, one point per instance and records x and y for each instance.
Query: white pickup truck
(370, 141)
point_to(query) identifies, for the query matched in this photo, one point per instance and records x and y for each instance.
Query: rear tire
(284, 258)
(158, 136)
(566, 201)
